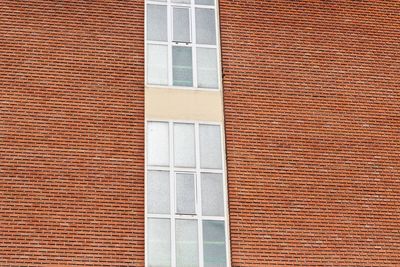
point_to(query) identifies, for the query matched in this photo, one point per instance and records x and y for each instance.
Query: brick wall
(312, 106)
(71, 133)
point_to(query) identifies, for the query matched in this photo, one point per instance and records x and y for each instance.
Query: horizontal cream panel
(182, 104)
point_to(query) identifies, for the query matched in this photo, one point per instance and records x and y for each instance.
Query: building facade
(199, 133)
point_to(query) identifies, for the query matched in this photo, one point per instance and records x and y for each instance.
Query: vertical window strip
(176, 219)
(201, 32)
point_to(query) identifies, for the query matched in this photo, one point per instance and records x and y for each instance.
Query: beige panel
(183, 104)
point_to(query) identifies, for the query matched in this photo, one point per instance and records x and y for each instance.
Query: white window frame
(169, 43)
(197, 172)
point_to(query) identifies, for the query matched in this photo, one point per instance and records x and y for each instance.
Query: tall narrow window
(181, 24)
(157, 68)
(182, 66)
(182, 44)
(205, 26)
(157, 23)
(186, 208)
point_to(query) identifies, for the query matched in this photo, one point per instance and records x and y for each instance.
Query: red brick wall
(312, 106)
(71, 133)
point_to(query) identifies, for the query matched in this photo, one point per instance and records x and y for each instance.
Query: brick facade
(312, 121)
(312, 112)
(72, 131)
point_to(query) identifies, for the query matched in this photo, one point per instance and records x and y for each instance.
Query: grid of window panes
(182, 43)
(185, 196)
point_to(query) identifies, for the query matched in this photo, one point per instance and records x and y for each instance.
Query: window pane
(210, 147)
(186, 243)
(214, 244)
(207, 72)
(181, 25)
(204, 2)
(185, 193)
(212, 194)
(157, 23)
(184, 145)
(157, 144)
(182, 66)
(157, 64)
(181, 1)
(159, 243)
(205, 26)
(158, 192)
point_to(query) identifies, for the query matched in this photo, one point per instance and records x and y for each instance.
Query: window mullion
(169, 22)
(219, 61)
(194, 41)
(198, 188)
(172, 194)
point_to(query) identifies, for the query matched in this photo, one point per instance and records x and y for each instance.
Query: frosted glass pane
(181, 1)
(157, 64)
(184, 145)
(207, 72)
(158, 192)
(159, 243)
(181, 22)
(214, 244)
(186, 243)
(157, 23)
(157, 144)
(210, 147)
(185, 193)
(204, 2)
(212, 194)
(182, 66)
(205, 26)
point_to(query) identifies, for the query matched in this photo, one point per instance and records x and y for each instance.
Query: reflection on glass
(157, 23)
(185, 193)
(157, 144)
(157, 64)
(207, 72)
(181, 22)
(205, 26)
(186, 243)
(210, 147)
(182, 72)
(212, 194)
(159, 243)
(214, 244)
(158, 192)
(184, 145)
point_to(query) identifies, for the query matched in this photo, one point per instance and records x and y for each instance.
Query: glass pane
(159, 243)
(157, 23)
(204, 2)
(214, 244)
(181, 1)
(182, 66)
(184, 145)
(186, 243)
(212, 194)
(181, 25)
(205, 26)
(207, 72)
(157, 64)
(185, 193)
(157, 144)
(158, 192)
(210, 147)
